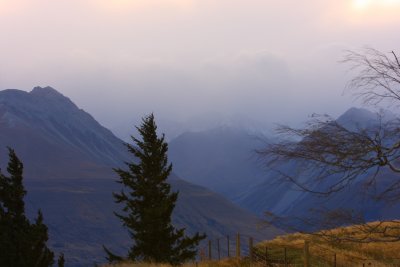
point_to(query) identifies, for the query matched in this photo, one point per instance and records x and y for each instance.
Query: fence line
(246, 248)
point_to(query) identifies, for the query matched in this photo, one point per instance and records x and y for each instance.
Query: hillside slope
(68, 158)
(222, 159)
(285, 199)
(50, 134)
(325, 251)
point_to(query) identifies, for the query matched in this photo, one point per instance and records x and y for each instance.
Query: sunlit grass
(321, 250)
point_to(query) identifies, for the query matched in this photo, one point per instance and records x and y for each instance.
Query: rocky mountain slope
(285, 199)
(68, 158)
(222, 159)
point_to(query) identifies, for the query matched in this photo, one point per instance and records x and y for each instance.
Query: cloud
(275, 60)
(128, 6)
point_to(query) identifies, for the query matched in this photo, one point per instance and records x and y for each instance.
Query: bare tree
(332, 156)
(378, 78)
(327, 155)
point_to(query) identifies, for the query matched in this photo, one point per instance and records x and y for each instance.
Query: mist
(195, 64)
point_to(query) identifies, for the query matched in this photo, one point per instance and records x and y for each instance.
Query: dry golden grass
(322, 250)
(348, 253)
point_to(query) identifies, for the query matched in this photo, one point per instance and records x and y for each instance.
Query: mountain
(356, 197)
(68, 158)
(222, 159)
(51, 134)
(272, 194)
(357, 118)
(79, 214)
(285, 199)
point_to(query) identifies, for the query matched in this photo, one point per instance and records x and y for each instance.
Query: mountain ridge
(285, 199)
(225, 159)
(68, 159)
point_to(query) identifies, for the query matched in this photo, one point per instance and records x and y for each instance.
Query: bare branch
(378, 77)
(338, 226)
(332, 156)
(326, 156)
(397, 60)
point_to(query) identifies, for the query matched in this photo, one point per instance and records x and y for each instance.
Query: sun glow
(10, 8)
(373, 12)
(361, 4)
(368, 4)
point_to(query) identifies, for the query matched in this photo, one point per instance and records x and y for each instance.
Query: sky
(194, 63)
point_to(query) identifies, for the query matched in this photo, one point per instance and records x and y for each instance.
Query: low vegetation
(324, 250)
(222, 263)
(327, 247)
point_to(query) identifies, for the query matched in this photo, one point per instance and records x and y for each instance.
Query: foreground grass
(325, 246)
(323, 249)
(222, 263)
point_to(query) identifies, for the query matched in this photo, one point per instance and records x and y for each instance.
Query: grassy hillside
(322, 250)
(222, 263)
(323, 247)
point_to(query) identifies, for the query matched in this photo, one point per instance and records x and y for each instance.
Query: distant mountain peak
(48, 92)
(355, 118)
(51, 95)
(46, 112)
(48, 95)
(354, 112)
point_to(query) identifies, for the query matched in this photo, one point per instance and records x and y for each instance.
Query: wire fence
(257, 253)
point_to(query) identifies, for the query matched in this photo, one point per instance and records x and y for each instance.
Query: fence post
(229, 252)
(219, 251)
(238, 246)
(209, 250)
(266, 256)
(306, 254)
(251, 249)
(334, 260)
(285, 256)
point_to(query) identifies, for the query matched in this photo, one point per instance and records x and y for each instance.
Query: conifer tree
(21, 242)
(61, 260)
(148, 203)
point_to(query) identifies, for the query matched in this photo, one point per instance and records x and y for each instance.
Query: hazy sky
(271, 61)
